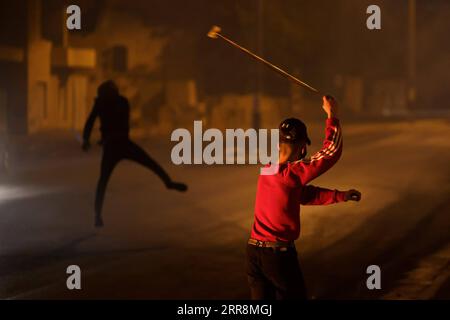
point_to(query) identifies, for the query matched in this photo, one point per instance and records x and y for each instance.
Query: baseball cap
(293, 130)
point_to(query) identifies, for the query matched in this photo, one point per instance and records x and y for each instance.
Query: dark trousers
(274, 274)
(113, 152)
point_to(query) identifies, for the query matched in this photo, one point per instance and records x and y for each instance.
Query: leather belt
(268, 244)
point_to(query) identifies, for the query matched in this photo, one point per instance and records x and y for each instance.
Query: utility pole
(64, 30)
(412, 93)
(259, 81)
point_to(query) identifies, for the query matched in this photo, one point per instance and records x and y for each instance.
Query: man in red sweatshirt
(273, 269)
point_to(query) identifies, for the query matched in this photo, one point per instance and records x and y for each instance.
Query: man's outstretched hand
(352, 195)
(330, 106)
(178, 186)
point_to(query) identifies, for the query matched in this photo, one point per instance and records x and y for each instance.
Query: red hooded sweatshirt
(279, 196)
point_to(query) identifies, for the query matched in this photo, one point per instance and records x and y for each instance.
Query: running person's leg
(110, 159)
(137, 154)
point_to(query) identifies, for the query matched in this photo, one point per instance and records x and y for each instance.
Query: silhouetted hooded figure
(114, 113)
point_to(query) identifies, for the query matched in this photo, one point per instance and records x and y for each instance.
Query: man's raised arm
(309, 169)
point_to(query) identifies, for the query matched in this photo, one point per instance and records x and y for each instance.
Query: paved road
(160, 244)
